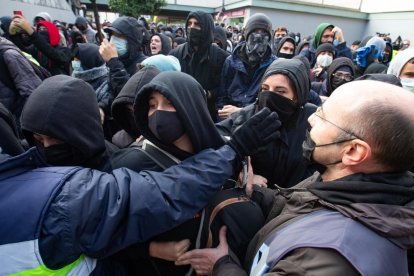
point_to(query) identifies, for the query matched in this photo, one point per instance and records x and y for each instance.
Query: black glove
(257, 131)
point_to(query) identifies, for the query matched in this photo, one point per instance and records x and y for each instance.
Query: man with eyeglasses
(353, 217)
(327, 33)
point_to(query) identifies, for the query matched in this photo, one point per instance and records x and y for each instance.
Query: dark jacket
(17, 78)
(10, 143)
(281, 161)
(220, 35)
(381, 202)
(97, 214)
(206, 64)
(239, 83)
(188, 98)
(69, 113)
(121, 68)
(120, 112)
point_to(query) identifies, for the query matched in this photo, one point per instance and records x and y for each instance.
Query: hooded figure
(244, 69)
(192, 118)
(325, 54)
(164, 48)
(90, 67)
(220, 37)
(122, 106)
(83, 26)
(401, 67)
(341, 49)
(163, 63)
(284, 51)
(66, 109)
(368, 58)
(199, 58)
(281, 162)
(332, 81)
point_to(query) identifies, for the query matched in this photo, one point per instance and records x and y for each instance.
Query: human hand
(203, 260)
(102, 114)
(257, 131)
(317, 71)
(168, 251)
(107, 50)
(253, 179)
(19, 22)
(339, 36)
(227, 110)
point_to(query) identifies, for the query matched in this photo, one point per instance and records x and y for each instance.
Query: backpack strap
(159, 156)
(217, 209)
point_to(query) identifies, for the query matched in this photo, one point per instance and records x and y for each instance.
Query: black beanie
(328, 47)
(258, 21)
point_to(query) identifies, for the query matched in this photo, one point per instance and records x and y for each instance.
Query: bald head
(383, 115)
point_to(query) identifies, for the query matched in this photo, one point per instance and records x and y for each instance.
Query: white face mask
(408, 84)
(324, 60)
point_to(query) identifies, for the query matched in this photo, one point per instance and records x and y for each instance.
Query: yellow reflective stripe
(43, 270)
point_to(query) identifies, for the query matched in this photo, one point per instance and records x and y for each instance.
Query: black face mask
(132, 127)
(44, 35)
(58, 155)
(283, 106)
(82, 28)
(285, 55)
(166, 126)
(276, 41)
(256, 47)
(308, 148)
(195, 36)
(336, 82)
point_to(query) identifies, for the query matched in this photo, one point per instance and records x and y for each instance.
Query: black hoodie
(165, 44)
(281, 161)
(220, 35)
(335, 65)
(66, 108)
(127, 96)
(9, 143)
(282, 41)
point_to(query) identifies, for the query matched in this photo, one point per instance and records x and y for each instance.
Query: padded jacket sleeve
(118, 76)
(98, 214)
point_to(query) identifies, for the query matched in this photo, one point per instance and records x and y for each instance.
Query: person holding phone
(42, 43)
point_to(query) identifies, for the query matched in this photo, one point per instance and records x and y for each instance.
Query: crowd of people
(204, 149)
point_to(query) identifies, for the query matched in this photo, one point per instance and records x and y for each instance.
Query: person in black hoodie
(122, 107)
(339, 72)
(159, 44)
(199, 58)
(43, 44)
(220, 37)
(122, 52)
(280, 162)
(172, 115)
(62, 120)
(286, 48)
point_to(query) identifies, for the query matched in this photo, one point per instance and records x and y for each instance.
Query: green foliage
(135, 8)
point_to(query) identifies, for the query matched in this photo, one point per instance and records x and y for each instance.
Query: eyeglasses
(347, 77)
(344, 130)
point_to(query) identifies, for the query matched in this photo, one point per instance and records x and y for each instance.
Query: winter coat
(281, 161)
(239, 85)
(98, 214)
(10, 143)
(17, 78)
(382, 202)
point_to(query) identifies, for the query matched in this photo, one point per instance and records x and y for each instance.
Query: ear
(356, 152)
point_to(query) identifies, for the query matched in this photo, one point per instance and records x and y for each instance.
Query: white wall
(396, 24)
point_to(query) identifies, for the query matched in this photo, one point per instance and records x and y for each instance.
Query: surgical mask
(324, 60)
(166, 126)
(308, 148)
(120, 45)
(76, 65)
(408, 84)
(58, 155)
(283, 106)
(195, 37)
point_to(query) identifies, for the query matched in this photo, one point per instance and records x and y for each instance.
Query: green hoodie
(318, 33)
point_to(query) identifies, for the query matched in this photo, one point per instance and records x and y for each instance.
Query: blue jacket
(237, 86)
(97, 214)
